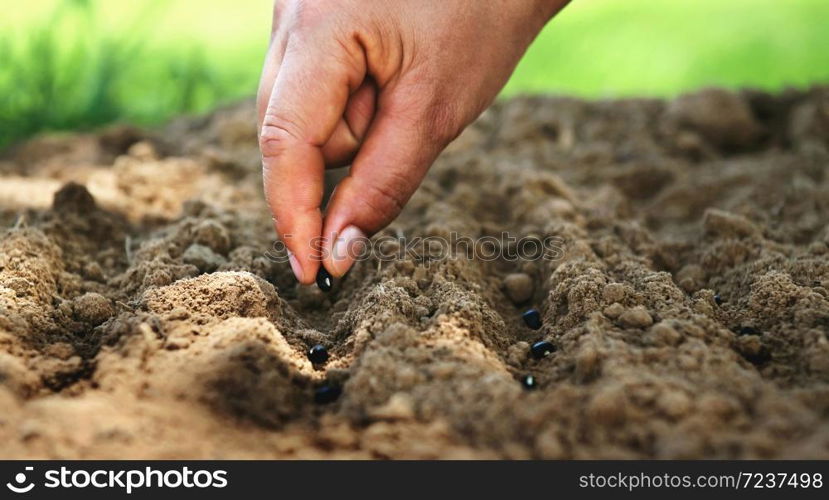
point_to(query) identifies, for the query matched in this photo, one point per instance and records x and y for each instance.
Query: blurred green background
(79, 64)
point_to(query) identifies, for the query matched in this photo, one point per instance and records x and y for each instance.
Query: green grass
(598, 48)
(79, 64)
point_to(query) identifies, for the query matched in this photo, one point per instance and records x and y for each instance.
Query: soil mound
(142, 314)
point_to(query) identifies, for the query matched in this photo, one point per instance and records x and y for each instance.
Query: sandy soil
(140, 316)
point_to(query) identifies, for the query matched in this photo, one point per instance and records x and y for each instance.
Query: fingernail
(295, 266)
(348, 246)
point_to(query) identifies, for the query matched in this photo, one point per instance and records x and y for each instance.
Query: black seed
(532, 318)
(762, 356)
(324, 279)
(327, 394)
(318, 354)
(528, 381)
(542, 349)
(718, 300)
(748, 330)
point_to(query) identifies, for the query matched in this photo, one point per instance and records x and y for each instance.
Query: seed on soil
(529, 383)
(324, 279)
(748, 330)
(751, 348)
(327, 394)
(759, 356)
(532, 319)
(542, 349)
(318, 354)
(718, 300)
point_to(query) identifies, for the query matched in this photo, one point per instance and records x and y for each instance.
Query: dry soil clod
(518, 287)
(113, 338)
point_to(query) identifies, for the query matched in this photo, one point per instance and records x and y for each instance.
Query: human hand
(383, 85)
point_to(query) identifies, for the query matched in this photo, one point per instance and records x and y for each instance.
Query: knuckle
(387, 198)
(434, 116)
(433, 105)
(276, 136)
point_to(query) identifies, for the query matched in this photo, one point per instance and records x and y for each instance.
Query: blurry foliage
(79, 64)
(68, 72)
(612, 48)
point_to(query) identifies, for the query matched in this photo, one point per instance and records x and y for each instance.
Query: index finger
(308, 98)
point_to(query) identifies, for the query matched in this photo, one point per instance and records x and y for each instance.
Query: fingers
(273, 60)
(347, 137)
(396, 154)
(341, 147)
(308, 98)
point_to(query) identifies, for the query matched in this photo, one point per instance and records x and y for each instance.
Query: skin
(383, 86)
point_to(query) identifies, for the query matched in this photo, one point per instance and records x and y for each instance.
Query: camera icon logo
(20, 479)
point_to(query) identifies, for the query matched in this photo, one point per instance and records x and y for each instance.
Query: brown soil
(141, 318)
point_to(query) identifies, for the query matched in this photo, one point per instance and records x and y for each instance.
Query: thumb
(305, 105)
(397, 152)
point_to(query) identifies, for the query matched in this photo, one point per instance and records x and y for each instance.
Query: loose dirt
(142, 317)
